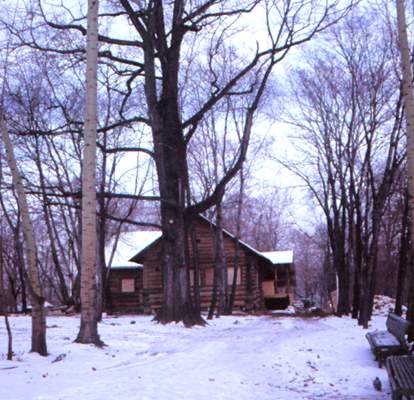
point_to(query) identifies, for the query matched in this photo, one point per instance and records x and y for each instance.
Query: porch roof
(279, 257)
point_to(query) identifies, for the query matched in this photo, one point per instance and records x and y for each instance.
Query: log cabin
(124, 286)
(135, 283)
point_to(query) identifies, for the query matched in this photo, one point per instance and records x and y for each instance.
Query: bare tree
(35, 289)
(409, 117)
(156, 61)
(354, 146)
(3, 302)
(88, 332)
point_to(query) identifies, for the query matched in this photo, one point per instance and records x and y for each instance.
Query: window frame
(124, 289)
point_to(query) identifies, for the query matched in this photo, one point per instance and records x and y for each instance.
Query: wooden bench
(401, 375)
(390, 342)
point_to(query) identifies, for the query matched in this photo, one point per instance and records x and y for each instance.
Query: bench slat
(384, 339)
(391, 373)
(407, 368)
(401, 375)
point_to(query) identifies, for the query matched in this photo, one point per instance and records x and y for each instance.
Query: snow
(129, 244)
(383, 305)
(279, 257)
(243, 357)
(133, 243)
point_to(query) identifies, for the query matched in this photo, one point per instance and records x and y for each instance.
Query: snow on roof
(129, 244)
(279, 257)
(152, 239)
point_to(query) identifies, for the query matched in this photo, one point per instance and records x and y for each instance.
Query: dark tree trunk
(170, 155)
(101, 234)
(356, 293)
(336, 236)
(249, 287)
(213, 303)
(403, 260)
(9, 337)
(373, 281)
(18, 255)
(358, 251)
(327, 302)
(20, 261)
(230, 303)
(369, 271)
(343, 274)
(366, 291)
(410, 297)
(38, 327)
(353, 267)
(218, 297)
(196, 268)
(3, 306)
(177, 304)
(343, 291)
(14, 292)
(76, 292)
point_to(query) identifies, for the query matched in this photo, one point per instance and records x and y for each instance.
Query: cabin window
(128, 285)
(230, 276)
(192, 275)
(209, 278)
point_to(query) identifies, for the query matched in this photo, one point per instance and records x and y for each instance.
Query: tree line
(177, 96)
(351, 131)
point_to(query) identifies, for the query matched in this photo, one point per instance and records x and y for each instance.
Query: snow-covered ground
(268, 357)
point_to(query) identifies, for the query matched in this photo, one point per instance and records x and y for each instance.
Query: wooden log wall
(248, 293)
(119, 302)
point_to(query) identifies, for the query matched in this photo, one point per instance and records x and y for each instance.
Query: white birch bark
(35, 289)
(408, 98)
(88, 332)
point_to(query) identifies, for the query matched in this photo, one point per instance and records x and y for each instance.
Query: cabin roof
(128, 244)
(243, 244)
(279, 257)
(140, 253)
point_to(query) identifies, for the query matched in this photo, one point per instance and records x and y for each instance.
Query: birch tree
(38, 332)
(88, 332)
(35, 289)
(408, 99)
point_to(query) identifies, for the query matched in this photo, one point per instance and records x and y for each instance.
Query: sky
(268, 172)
